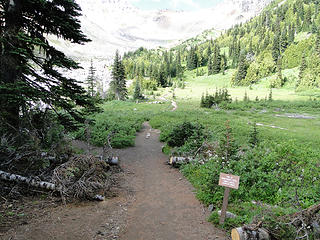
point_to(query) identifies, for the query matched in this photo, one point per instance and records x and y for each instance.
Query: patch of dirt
(174, 105)
(296, 116)
(151, 201)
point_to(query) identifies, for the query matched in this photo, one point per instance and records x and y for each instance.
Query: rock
(316, 229)
(228, 214)
(99, 198)
(210, 208)
(113, 160)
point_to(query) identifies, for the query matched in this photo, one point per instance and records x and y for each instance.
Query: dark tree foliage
(317, 46)
(216, 64)
(137, 91)
(26, 76)
(220, 96)
(184, 132)
(91, 80)
(192, 61)
(242, 69)
(253, 137)
(303, 66)
(118, 83)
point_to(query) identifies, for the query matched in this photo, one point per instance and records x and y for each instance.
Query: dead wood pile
(83, 177)
(301, 225)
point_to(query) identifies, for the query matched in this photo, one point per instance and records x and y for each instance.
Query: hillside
(284, 36)
(117, 24)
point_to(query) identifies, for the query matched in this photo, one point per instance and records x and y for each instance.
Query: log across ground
(153, 201)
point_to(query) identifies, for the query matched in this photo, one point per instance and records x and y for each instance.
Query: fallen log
(246, 233)
(27, 180)
(305, 222)
(178, 161)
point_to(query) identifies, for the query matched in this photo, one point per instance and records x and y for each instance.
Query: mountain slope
(116, 24)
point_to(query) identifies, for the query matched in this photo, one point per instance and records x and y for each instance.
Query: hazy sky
(187, 5)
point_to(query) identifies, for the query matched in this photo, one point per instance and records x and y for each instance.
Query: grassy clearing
(198, 85)
(283, 165)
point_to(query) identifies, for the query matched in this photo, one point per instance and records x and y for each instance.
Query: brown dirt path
(165, 207)
(152, 202)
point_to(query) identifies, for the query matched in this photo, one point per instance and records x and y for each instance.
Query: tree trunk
(10, 64)
(177, 161)
(29, 181)
(245, 233)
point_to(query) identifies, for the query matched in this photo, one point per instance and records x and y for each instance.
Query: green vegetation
(281, 39)
(277, 159)
(118, 89)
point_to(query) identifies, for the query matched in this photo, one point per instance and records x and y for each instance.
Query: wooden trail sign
(228, 181)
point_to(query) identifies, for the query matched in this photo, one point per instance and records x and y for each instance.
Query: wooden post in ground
(228, 181)
(224, 205)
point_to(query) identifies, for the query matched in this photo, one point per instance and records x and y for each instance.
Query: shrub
(186, 133)
(221, 96)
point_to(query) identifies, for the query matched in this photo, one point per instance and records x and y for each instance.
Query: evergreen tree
(307, 20)
(283, 40)
(303, 67)
(192, 60)
(118, 82)
(210, 67)
(253, 138)
(242, 69)
(24, 27)
(216, 63)
(223, 63)
(291, 35)
(279, 72)
(91, 80)
(317, 46)
(276, 47)
(314, 28)
(137, 91)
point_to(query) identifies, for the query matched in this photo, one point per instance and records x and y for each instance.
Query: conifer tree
(137, 91)
(253, 138)
(25, 26)
(242, 69)
(216, 63)
(283, 40)
(118, 83)
(223, 63)
(276, 47)
(291, 35)
(303, 67)
(317, 46)
(279, 72)
(210, 67)
(91, 80)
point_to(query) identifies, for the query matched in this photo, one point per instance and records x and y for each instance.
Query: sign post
(228, 181)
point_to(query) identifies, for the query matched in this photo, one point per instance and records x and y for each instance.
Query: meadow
(281, 169)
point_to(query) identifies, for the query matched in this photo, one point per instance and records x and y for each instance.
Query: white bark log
(177, 161)
(29, 181)
(242, 234)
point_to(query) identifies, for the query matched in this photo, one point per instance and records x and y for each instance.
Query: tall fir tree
(118, 82)
(91, 80)
(276, 47)
(216, 63)
(26, 77)
(137, 91)
(302, 69)
(210, 67)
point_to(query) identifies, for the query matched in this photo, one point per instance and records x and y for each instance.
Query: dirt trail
(165, 206)
(154, 202)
